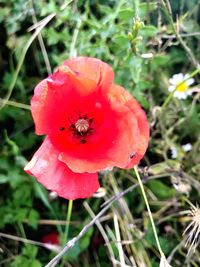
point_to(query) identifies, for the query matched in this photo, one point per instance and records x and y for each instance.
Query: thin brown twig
(103, 233)
(173, 36)
(28, 241)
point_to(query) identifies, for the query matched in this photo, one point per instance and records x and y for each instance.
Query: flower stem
(69, 212)
(14, 104)
(65, 236)
(172, 93)
(149, 210)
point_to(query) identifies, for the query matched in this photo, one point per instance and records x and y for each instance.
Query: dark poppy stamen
(62, 128)
(91, 120)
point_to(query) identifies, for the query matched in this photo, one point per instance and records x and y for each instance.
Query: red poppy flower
(91, 125)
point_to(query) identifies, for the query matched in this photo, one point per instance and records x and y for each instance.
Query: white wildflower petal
(178, 78)
(174, 152)
(180, 95)
(147, 55)
(190, 81)
(172, 81)
(187, 147)
(189, 92)
(186, 76)
(171, 88)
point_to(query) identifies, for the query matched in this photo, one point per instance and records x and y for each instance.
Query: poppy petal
(127, 99)
(56, 176)
(62, 90)
(92, 68)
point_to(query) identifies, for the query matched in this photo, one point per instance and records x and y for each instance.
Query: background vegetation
(143, 60)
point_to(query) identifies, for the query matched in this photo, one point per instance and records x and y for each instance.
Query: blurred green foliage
(100, 29)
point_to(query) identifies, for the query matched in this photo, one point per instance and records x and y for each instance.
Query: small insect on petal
(132, 155)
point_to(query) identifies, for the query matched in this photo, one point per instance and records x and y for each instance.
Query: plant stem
(149, 210)
(65, 237)
(73, 52)
(21, 228)
(69, 212)
(14, 104)
(41, 42)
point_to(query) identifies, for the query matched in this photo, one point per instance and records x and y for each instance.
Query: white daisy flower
(181, 87)
(187, 147)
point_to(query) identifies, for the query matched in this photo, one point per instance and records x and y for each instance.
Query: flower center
(181, 87)
(82, 125)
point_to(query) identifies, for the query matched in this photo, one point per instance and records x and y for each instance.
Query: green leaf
(13, 145)
(85, 241)
(126, 14)
(33, 218)
(30, 251)
(42, 194)
(144, 7)
(161, 190)
(35, 263)
(121, 39)
(136, 68)
(3, 179)
(148, 31)
(21, 214)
